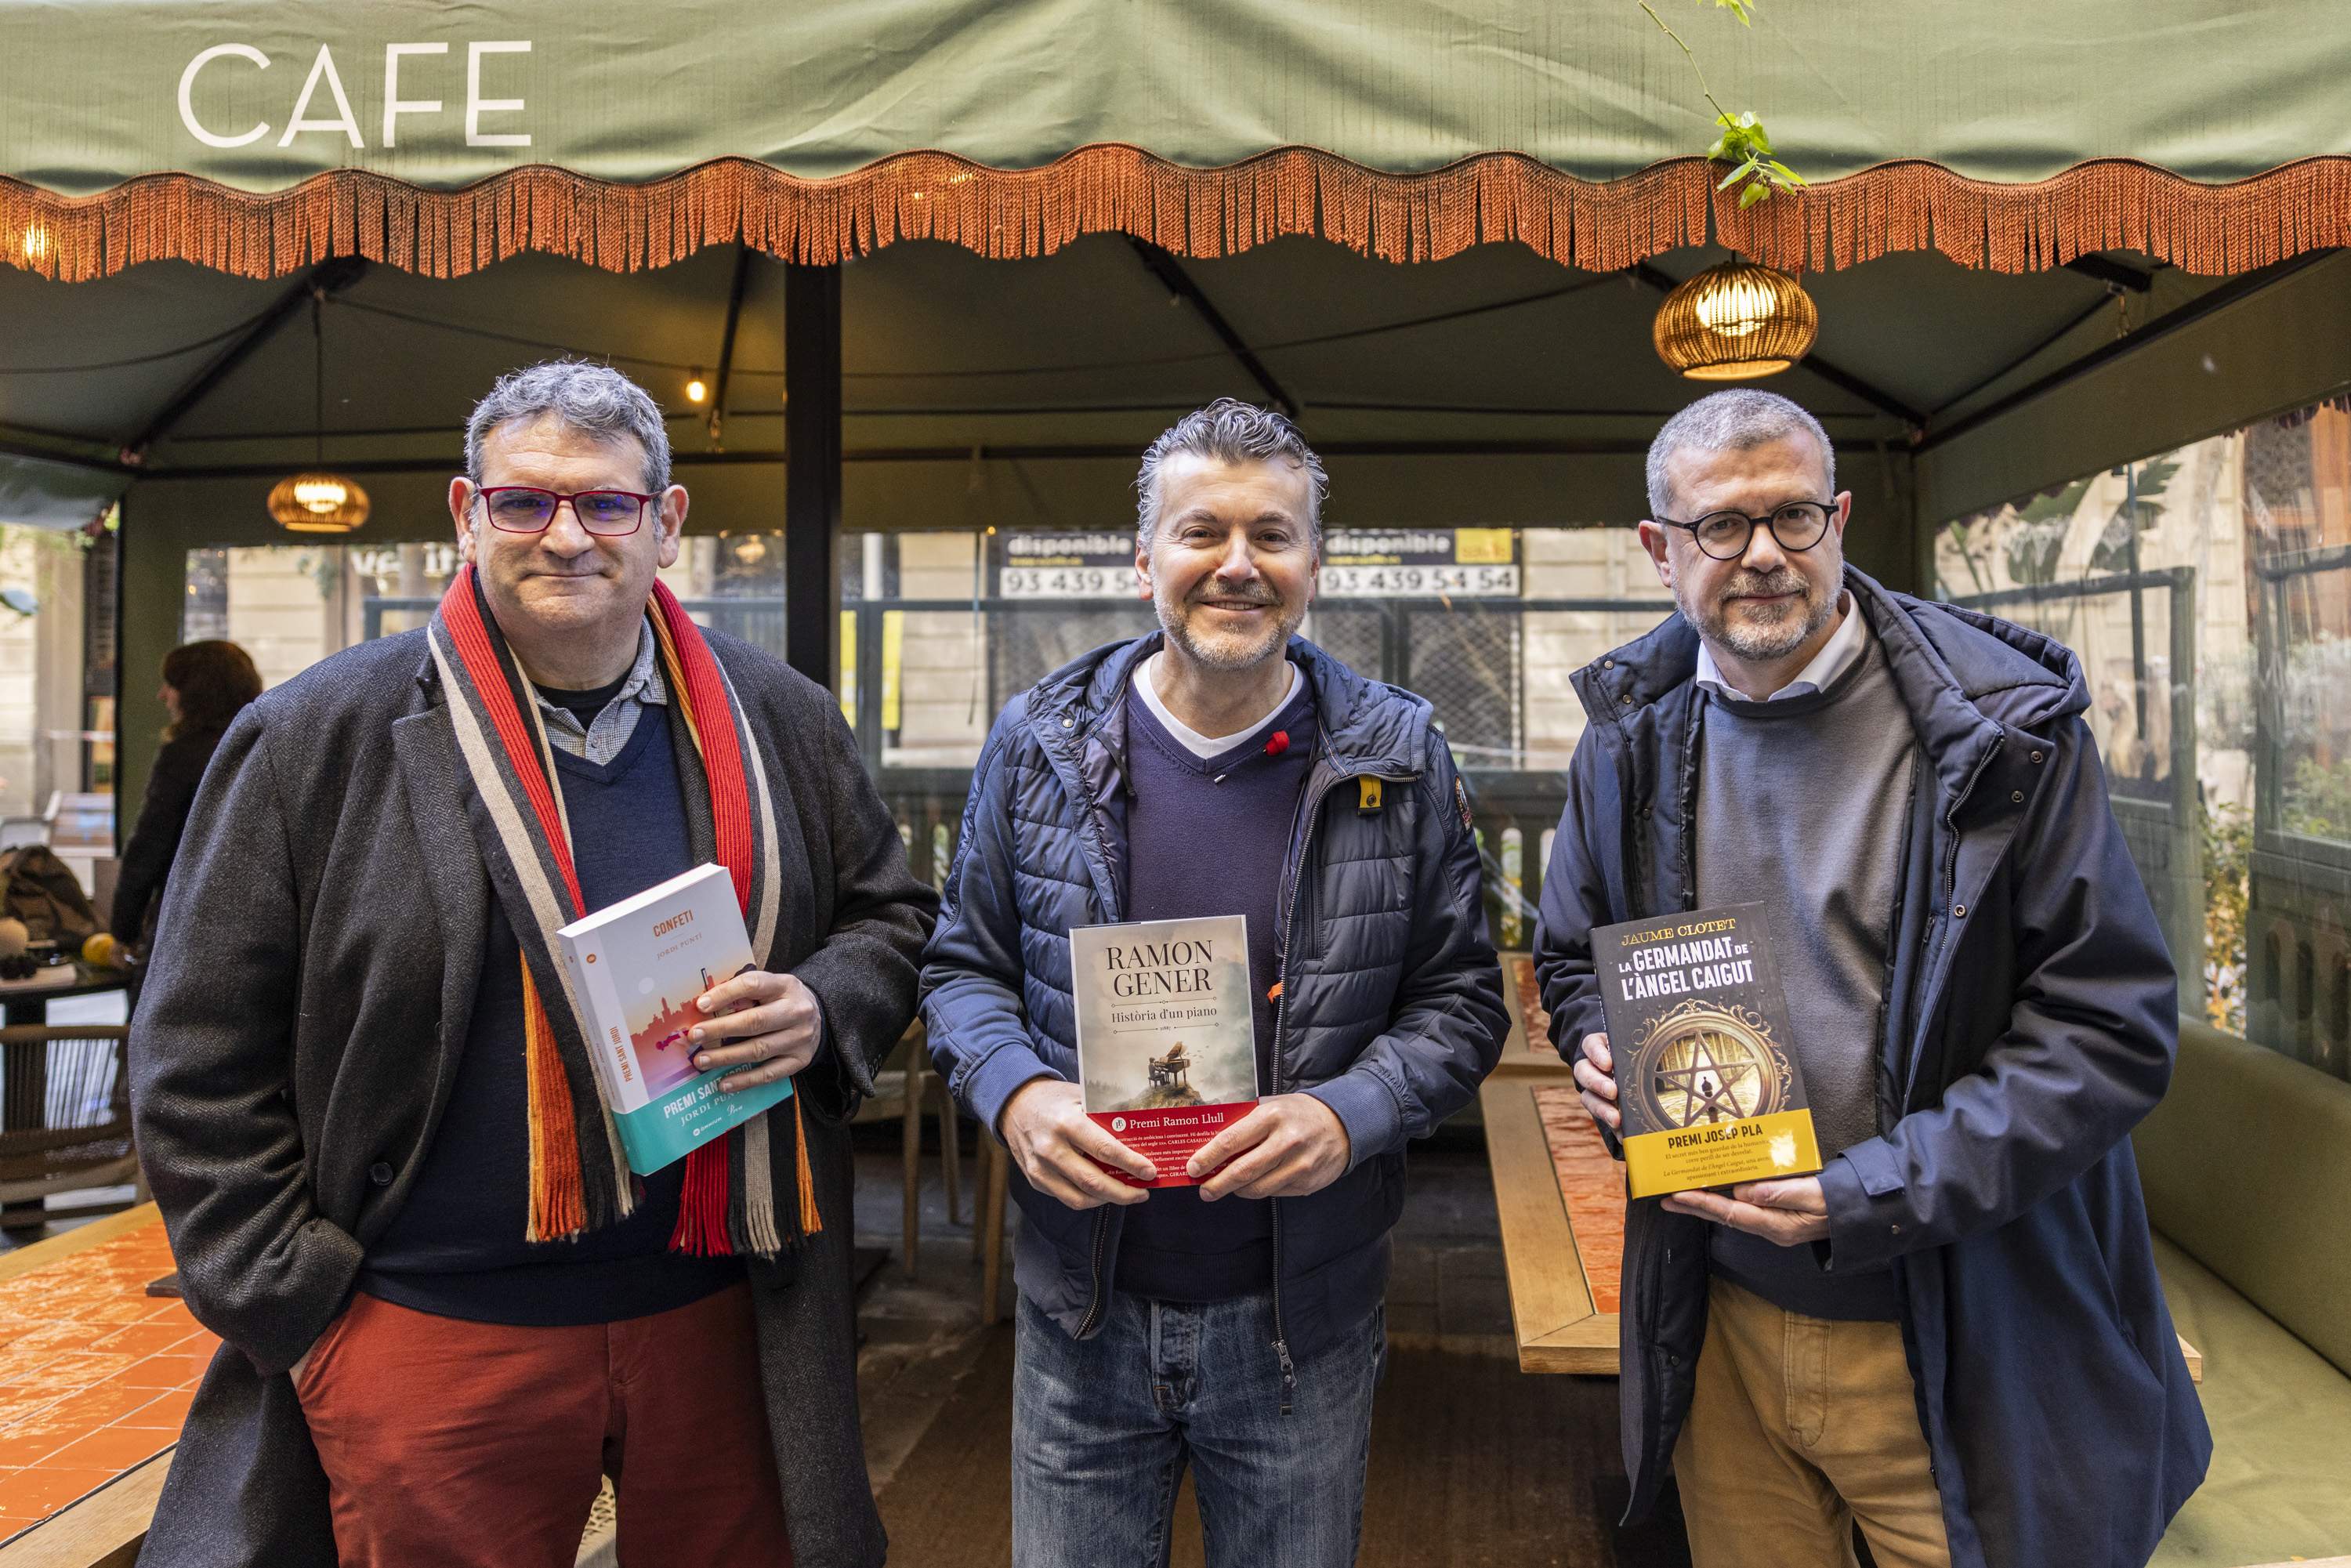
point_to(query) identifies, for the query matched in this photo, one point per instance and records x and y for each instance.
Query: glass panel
(41, 601)
(2208, 594)
(1486, 623)
(291, 605)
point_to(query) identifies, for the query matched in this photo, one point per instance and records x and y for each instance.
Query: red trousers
(447, 1442)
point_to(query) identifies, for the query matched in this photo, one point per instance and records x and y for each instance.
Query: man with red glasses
(362, 1092)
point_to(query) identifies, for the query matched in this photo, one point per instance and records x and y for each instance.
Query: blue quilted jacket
(1391, 1009)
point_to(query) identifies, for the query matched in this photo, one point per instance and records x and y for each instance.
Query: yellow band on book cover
(1753, 1148)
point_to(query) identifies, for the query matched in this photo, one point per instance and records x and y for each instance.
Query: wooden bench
(2247, 1170)
(1527, 1053)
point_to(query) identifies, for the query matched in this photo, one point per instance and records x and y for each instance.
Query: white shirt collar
(1199, 745)
(1837, 657)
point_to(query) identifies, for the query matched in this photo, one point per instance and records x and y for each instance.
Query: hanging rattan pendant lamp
(1734, 323)
(319, 502)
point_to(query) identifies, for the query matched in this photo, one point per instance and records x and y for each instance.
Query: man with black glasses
(1953, 1337)
(362, 1086)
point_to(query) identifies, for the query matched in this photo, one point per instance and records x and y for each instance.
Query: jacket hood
(1963, 675)
(1367, 726)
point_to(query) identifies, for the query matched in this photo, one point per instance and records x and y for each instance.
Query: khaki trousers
(1800, 1428)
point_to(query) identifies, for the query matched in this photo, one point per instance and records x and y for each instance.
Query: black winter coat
(163, 817)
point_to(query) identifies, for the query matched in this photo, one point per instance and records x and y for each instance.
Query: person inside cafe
(1221, 766)
(205, 685)
(361, 1095)
(1953, 1337)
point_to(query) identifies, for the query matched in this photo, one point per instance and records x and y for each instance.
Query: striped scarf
(580, 1180)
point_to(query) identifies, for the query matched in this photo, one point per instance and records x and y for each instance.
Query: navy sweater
(1208, 836)
(456, 1247)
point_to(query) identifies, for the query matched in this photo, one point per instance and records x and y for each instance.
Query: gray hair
(1230, 431)
(1731, 421)
(596, 400)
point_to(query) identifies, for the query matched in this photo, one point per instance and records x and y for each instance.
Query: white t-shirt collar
(1146, 685)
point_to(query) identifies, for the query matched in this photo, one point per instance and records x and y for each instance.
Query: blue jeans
(1103, 1427)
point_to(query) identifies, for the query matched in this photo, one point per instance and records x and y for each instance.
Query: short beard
(1225, 654)
(1791, 625)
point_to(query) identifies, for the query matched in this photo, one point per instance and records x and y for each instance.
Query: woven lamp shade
(1734, 323)
(317, 504)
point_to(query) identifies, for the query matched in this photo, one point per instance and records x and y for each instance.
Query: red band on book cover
(1169, 1138)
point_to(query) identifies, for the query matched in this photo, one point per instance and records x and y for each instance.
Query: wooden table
(1562, 1202)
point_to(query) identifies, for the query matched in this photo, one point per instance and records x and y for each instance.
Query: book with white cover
(638, 967)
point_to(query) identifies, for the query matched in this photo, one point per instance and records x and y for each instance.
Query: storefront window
(2208, 594)
(291, 605)
(41, 634)
(940, 629)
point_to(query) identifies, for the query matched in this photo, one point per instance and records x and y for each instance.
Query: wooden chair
(906, 1086)
(994, 1164)
(64, 1111)
(987, 1225)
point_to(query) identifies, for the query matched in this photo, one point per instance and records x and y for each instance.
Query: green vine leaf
(1742, 143)
(1745, 146)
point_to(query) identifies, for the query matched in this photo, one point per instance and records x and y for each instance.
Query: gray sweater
(1801, 806)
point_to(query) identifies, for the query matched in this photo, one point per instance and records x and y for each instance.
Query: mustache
(1257, 595)
(1761, 584)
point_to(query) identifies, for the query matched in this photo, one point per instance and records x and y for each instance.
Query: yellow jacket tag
(1367, 797)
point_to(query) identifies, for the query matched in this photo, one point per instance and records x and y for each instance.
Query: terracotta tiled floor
(95, 1375)
(1592, 1185)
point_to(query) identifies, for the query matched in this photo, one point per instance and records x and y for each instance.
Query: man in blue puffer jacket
(1223, 767)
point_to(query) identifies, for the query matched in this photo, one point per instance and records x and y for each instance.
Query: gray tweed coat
(314, 973)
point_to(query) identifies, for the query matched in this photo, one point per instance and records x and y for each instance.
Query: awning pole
(811, 469)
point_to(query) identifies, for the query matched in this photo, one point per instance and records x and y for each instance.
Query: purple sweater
(1208, 836)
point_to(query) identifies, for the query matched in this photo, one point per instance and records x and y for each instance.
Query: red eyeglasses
(528, 509)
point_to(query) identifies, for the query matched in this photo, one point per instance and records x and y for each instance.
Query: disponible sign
(1357, 563)
(1066, 566)
(1402, 563)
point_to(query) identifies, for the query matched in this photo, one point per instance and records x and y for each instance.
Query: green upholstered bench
(2247, 1168)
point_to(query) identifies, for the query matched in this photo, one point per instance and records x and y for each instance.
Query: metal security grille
(1025, 644)
(1355, 632)
(1465, 659)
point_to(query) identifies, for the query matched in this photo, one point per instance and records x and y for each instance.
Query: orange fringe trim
(557, 1203)
(1595, 225)
(811, 1222)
